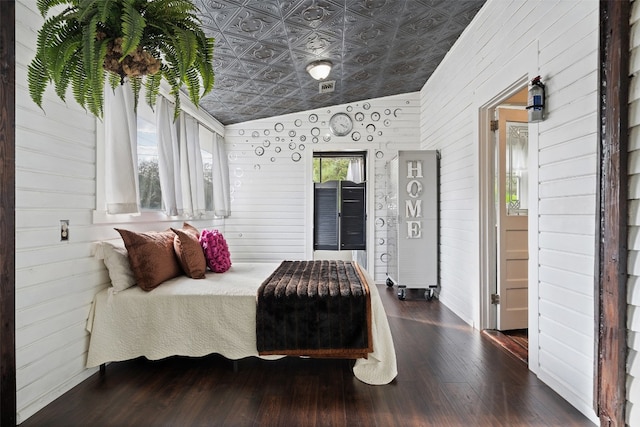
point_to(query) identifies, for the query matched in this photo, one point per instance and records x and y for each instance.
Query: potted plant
(144, 41)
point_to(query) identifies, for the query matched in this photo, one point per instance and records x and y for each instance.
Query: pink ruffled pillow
(215, 250)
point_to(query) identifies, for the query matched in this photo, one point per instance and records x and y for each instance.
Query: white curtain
(220, 172)
(191, 174)
(121, 157)
(168, 158)
(355, 171)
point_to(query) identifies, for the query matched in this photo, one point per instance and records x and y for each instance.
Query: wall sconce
(535, 102)
(319, 70)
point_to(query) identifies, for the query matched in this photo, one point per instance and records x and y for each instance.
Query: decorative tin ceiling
(378, 48)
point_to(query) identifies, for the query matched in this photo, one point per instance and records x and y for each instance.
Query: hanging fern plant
(93, 41)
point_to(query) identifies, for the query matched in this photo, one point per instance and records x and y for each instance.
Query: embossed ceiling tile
(222, 62)
(271, 7)
(288, 33)
(217, 14)
(465, 12)
(271, 74)
(317, 42)
(253, 67)
(370, 33)
(251, 23)
(379, 9)
(378, 47)
(283, 91)
(428, 20)
(335, 25)
(368, 56)
(356, 92)
(448, 40)
(239, 44)
(312, 13)
(235, 68)
(225, 81)
(261, 87)
(220, 46)
(265, 51)
(359, 76)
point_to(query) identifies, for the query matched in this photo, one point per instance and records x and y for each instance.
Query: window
(132, 184)
(339, 201)
(206, 150)
(148, 169)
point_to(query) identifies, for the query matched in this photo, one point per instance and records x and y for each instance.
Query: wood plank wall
(271, 200)
(633, 261)
(611, 232)
(55, 281)
(7, 215)
(566, 36)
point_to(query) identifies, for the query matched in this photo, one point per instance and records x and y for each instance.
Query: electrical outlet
(64, 230)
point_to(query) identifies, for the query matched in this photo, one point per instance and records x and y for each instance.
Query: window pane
(206, 150)
(330, 169)
(517, 168)
(148, 170)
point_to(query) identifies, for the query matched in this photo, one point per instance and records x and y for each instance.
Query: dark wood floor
(449, 375)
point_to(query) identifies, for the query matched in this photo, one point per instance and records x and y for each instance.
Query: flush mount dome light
(319, 70)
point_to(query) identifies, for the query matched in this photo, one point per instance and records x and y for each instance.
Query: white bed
(188, 317)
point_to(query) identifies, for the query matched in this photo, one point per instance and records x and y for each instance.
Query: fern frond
(78, 81)
(114, 80)
(132, 28)
(204, 62)
(152, 89)
(89, 9)
(69, 44)
(136, 85)
(45, 5)
(37, 76)
(187, 46)
(97, 80)
(89, 35)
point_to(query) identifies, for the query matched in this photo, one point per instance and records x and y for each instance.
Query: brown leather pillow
(189, 252)
(151, 256)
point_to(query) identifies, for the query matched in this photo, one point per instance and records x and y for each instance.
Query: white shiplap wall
(633, 284)
(560, 40)
(55, 281)
(271, 200)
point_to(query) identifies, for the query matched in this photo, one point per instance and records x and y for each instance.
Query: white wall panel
(55, 281)
(563, 38)
(272, 196)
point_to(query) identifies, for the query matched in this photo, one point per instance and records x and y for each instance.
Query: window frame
(100, 215)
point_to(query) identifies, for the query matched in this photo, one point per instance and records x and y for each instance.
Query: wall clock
(340, 124)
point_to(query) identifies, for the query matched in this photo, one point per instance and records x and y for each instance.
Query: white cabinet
(412, 224)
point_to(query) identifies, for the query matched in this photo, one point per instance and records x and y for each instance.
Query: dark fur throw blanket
(315, 308)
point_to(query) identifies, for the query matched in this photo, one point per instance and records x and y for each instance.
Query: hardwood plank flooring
(448, 375)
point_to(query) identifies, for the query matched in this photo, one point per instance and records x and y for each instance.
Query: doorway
(340, 206)
(506, 220)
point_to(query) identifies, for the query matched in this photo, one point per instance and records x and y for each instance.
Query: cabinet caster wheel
(402, 294)
(389, 283)
(428, 296)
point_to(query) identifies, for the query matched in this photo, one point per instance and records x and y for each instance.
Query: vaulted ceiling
(377, 47)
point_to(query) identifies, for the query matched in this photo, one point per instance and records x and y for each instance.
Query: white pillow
(117, 261)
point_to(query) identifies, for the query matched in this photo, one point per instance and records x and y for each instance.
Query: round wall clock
(340, 124)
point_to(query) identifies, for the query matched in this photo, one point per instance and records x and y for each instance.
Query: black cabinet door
(339, 216)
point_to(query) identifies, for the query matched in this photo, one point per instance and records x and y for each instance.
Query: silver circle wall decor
(354, 122)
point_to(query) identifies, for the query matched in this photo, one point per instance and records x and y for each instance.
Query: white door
(512, 208)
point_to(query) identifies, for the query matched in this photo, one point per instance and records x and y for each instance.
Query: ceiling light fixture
(319, 70)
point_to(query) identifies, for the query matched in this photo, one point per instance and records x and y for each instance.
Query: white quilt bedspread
(187, 317)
